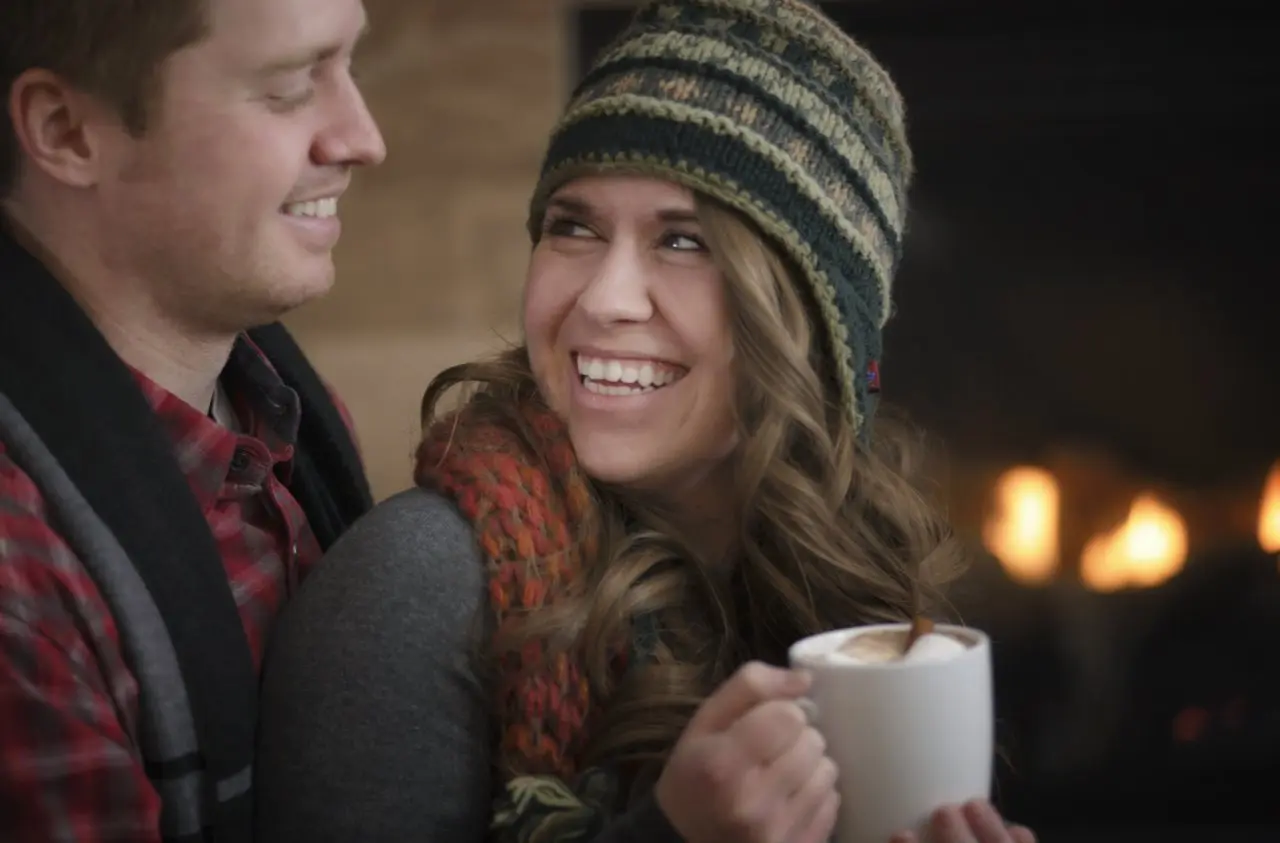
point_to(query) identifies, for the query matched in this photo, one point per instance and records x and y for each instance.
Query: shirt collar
(217, 461)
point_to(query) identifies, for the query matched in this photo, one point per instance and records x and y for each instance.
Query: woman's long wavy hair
(829, 532)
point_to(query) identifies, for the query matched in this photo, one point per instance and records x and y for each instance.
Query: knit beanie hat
(769, 108)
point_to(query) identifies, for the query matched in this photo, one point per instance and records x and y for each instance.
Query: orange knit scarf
(530, 505)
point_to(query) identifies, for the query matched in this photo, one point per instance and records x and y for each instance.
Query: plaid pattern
(69, 765)
(767, 107)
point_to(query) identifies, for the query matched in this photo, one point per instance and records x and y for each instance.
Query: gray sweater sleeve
(374, 724)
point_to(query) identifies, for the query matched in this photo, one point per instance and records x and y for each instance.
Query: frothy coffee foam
(885, 646)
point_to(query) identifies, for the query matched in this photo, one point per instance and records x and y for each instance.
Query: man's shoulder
(26, 525)
(19, 495)
(41, 578)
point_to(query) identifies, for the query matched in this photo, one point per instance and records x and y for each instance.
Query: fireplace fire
(1148, 549)
(1269, 512)
(1023, 531)
(1149, 546)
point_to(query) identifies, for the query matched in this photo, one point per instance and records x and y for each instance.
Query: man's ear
(57, 126)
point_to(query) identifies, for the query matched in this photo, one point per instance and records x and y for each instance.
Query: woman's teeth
(625, 377)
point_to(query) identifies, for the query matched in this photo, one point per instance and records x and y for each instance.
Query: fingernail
(801, 679)
(1022, 834)
(948, 820)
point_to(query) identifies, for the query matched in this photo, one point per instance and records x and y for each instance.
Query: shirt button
(240, 460)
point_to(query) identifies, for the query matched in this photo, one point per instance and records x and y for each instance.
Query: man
(170, 466)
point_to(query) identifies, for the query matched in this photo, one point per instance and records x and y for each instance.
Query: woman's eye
(684, 242)
(568, 228)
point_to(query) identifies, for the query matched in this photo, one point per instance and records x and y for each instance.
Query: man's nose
(353, 138)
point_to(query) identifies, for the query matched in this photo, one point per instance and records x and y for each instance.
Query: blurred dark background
(1089, 285)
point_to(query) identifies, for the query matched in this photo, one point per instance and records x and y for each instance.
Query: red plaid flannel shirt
(70, 769)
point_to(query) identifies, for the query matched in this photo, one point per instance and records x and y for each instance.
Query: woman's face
(626, 318)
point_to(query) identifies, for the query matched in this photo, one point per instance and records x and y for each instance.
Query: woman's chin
(618, 460)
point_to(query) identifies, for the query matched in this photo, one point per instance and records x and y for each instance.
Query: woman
(561, 633)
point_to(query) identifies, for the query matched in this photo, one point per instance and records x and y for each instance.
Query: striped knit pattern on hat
(768, 107)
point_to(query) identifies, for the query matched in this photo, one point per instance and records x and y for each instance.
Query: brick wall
(433, 255)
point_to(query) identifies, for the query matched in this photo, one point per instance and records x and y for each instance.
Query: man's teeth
(319, 208)
(616, 377)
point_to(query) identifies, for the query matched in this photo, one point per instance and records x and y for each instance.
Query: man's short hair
(113, 49)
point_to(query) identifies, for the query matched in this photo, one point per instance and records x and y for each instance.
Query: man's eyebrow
(310, 57)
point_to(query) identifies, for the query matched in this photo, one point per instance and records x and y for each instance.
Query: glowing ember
(1148, 549)
(1023, 530)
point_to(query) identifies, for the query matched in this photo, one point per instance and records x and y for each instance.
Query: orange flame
(1023, 530)
(1149, 548)
(1269, 513)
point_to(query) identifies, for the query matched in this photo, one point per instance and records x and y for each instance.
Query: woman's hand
(973, 822)
(749, 768)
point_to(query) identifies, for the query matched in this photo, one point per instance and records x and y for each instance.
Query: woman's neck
(706, 519)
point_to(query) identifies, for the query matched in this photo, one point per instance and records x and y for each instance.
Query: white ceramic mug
(908, 738)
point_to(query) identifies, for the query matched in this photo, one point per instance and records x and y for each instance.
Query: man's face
(225, 209)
